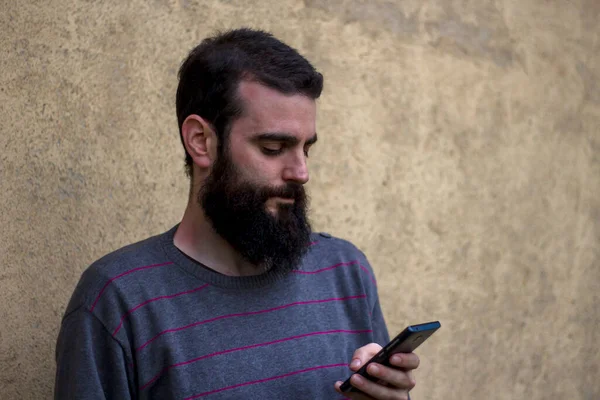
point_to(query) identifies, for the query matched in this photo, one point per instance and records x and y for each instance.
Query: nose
(296, 170)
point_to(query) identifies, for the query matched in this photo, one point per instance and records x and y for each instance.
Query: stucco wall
(459, 148)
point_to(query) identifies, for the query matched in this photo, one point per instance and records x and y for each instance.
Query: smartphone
(406, 342)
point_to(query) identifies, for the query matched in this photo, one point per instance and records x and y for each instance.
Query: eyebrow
(283, 137)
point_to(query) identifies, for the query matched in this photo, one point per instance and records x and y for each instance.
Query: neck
(196, 237)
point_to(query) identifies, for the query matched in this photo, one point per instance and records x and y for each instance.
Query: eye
(269, 151)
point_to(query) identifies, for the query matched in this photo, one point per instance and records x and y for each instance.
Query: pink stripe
(266, 380)
(313, 243)
(248, 313)
(123, 274)
(327, 268)
(155, 299)
(250, 347)
(368, 273)
(339, 265)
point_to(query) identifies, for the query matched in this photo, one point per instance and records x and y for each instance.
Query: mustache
(289, 191)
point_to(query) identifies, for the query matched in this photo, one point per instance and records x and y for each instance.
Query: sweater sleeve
(380, 330)
(90, 363)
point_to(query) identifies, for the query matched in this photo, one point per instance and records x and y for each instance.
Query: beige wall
(459, 147)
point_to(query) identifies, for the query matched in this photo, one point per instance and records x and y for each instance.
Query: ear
(200, 140)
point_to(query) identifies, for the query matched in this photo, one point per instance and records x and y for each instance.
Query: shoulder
(326, 242)
(143, 255)
(351, 265)
(331, 249)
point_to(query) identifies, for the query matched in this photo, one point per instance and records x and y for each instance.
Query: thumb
(355, 364)
(362, 355)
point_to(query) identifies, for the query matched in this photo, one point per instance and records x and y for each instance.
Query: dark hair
(210, 75)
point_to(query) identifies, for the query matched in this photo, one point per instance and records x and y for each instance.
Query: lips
(289, 193)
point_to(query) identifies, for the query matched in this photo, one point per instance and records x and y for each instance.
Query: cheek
(253, 166)
(261, 171)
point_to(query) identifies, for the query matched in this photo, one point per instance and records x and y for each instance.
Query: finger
(406, 361)
(363, 354)
(350, 395)
(377, 391)
(392, 376)
(411, 376)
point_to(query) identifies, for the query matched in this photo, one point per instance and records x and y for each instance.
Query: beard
(236, 209)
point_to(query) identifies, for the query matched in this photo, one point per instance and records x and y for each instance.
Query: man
(240, 300)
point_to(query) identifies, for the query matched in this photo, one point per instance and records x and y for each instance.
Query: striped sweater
(147, 322)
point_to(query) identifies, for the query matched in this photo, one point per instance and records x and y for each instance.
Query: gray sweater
(147, 322)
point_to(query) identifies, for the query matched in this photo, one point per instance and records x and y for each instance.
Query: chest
(223, 344)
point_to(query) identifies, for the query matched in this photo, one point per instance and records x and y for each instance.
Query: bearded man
(240, 300)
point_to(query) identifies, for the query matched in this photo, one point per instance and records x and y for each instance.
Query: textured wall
(459, 147)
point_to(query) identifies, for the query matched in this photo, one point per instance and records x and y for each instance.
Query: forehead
(268, 110)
